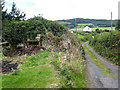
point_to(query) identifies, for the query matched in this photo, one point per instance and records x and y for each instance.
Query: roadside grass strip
(98, 62)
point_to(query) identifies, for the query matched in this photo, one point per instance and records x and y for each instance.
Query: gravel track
(96, 76)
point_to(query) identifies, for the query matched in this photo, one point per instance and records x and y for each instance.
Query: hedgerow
(106, 44)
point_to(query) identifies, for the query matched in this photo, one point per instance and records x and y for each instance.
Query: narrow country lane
(97, 78)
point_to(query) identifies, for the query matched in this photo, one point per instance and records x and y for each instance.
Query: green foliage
(41, 26)
(106, 44)
(15, 33)
(16, 30)
(9, 21)
(4, 13)
(16, 14)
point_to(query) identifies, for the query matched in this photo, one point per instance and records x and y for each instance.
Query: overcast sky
(67, 9)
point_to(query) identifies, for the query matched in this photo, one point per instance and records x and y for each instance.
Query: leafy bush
(15, 33)
(107, 45)
(16, 30)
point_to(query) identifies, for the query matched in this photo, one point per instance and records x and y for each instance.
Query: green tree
(16, 14)
(13, 26)
(16, 33)
(16, 30)
(4, 12)
(8, 19)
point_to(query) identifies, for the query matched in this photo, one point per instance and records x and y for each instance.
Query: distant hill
(95, 22)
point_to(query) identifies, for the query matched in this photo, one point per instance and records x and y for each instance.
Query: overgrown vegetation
(17, 30)
(106, 44)
(84, 36)
(47, 70)
(61, 65)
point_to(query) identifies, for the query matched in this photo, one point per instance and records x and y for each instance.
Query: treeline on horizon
(96, 22)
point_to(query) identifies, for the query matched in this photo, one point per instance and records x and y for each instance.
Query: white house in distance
(87, 29)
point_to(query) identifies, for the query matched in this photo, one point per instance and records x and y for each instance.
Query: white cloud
(65, 9)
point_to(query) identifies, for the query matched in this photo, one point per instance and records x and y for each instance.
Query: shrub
(107, 45)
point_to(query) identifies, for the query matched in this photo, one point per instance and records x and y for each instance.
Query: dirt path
(96, 76)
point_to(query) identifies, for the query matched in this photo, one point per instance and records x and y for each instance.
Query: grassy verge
(35, 73)
(79, 36)
(98, 62)
(103, 28)
(47, 70)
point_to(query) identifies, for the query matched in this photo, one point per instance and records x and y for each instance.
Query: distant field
(100, 28)
(80, 36)
(75, 29)
(81, 26)
(103, 28)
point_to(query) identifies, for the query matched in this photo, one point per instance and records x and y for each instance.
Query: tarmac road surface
(96, 76)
